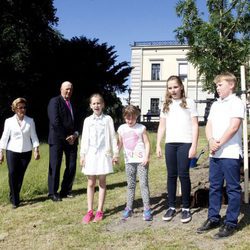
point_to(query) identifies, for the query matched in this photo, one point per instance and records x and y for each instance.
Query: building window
(183, 70)
(154, 105)
(155, 71)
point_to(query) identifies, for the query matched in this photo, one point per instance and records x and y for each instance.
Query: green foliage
(219, 44)
(35, 60)
(92, 68)
(27, 40)
(24, 24)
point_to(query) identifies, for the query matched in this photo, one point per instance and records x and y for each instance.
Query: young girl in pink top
(134, 140)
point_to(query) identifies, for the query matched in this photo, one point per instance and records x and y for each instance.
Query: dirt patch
(200, 186)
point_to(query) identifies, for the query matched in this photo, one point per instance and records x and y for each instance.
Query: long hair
(168, 97)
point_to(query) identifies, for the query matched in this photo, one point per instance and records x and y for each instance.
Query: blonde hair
(226, 76)
(131, 110)
(168, 97)
(98, 96)
(16, 102)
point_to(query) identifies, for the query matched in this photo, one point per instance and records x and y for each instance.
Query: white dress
(98, 160)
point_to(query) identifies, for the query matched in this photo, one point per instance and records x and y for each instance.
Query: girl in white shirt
(98, 152)
(179, 120)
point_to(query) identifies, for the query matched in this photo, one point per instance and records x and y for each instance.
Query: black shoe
(225, 231)
(168, 216)
(186, 216)
(55, 197)
(69, 195)
(15, 206)
(208, 225)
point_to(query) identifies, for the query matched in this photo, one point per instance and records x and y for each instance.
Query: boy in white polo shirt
(224, 134)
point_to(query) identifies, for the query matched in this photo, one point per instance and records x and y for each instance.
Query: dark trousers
(17, 165)
(55, 161)
(176, 155)
(221, 169)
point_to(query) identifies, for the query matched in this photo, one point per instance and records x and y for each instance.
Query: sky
(118, 23)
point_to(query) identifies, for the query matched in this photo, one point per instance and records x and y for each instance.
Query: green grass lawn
(42, 224)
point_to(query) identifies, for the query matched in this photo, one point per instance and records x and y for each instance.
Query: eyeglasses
(21, 107)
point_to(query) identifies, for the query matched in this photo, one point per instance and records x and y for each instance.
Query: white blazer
(18, 138)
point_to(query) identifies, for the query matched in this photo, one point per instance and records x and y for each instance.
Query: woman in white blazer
(18, 139)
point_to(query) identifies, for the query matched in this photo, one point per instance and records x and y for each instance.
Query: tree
(219, 44)
(35, 59)
(26, 42)
(92, 67)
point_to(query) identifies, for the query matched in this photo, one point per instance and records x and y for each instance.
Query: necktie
(68, 105)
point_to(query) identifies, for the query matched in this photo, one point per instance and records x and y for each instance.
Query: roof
(157, 43)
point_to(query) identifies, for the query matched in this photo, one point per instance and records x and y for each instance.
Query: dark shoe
(69, 195)
(168, 216)
(55, 197)
(208, 225)
(186, 216)
(14, 206)
(225, 231)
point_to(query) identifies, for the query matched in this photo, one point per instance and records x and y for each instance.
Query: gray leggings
(131, 171)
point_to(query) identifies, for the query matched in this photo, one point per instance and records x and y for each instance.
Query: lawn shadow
(75, 192)
(116, 185)
(245, 220)
(158, 205)
(44, 197)
(27, 202)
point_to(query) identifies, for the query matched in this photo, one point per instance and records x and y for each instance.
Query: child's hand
(214, 145)
(192, 152)
(115, 160)
(145, 162)
(1, 158)
(158, 151)
(82, 162)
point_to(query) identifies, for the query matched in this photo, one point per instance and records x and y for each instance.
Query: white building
(153, 63)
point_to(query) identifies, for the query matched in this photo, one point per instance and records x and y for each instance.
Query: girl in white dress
(98, 152)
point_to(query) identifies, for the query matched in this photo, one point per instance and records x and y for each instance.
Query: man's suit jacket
(61, 122)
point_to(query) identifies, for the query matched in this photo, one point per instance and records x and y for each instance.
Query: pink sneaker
(98, 216)
(88, 217)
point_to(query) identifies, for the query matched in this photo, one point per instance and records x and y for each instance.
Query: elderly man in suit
(63, 136)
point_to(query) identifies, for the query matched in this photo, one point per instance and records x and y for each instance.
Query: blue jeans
(221, 169)
(176, 155)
